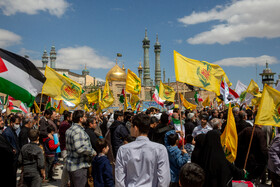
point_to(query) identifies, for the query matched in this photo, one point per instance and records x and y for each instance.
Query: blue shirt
(142, 163)
(200, 130)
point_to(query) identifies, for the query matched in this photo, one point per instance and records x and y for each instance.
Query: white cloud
(76, 58)
(31, 7)
(8, 38)
(179, 41)
(247, 61)
(238, 20)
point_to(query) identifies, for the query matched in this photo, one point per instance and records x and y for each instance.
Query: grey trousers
(35, 181)
(78, 178)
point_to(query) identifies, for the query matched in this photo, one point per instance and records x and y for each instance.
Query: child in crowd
(50, 149)
(191, 175)
(102, 171)
(177, 157)
(32, 160)
(189, 146)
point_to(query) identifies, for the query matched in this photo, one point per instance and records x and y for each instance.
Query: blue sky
(240, 36)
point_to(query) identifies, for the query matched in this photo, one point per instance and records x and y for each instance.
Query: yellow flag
(94, 97)
(229, 137)
(254, 89)
(62, 107)
(133, 101)
(219, 101)
(166, 93)
(199, 73)
(37, 109)
(125, 104)
(269, 108)
(206, 102)
(60, 87)
(187, 104)
(133, 83)
(86, 108)
(107, 98)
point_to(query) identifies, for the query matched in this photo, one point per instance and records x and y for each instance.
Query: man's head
(215, 113)
(140, 125)
(48, 113)
(91, 122)
(191, 175)
(2, 124)
(235, 111)
(33, 135)
(66, 115)
(204, 118)
(173, 139)
(164, 118)
(28, 122)
(154, 122)
(15, 122)
(79, 117)
(216, 123)
(118, 116)
(191, 116)
(250, 115)
(242, 115)
(53, 116)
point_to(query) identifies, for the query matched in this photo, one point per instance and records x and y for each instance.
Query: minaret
(52, 57)
(163, 75)
(267, 76)
(146, 46)
(45, 59)
(157, 62)
(140, 70)
(85, 71)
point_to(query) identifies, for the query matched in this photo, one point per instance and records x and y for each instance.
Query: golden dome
(116, 74)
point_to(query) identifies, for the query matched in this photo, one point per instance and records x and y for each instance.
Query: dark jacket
(62, 130)
(92, 136)
(189, 126)
(160, 131)
(102, 172)
(11, 137)
(242, 124)
(23, 136)
(257, 158)
(8, 166)
(119, 133)
(32, 159)
(43, 128)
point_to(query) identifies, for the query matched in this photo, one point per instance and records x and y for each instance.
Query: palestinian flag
(13, 108)
(23, 108)
(156, 97)
(48, 104)
(19, 77)
(122, 96)
(197, 98)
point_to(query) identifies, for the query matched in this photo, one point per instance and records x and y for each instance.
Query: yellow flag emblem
(107, 98)
(166, 93)
(133, 83)
(187, 104)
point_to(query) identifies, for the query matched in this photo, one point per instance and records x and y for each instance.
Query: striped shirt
(79, 149)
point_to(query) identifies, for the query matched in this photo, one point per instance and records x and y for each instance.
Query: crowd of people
(135, 148)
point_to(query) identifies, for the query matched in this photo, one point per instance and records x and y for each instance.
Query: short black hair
(66, 114)
(204, 115)
(142, 122)
(164, 118)
(172, 138)
(50, 128)
(191, 175)
(77, 115)
(148, 111)
(189, 138)
(117, 114)
(33, 134)
(154, 120)
(89, 120)
(48, 112)
(100, 145)
(13, 118)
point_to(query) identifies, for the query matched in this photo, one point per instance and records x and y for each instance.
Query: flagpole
(180, 114)
(249, 147)
(41, 102)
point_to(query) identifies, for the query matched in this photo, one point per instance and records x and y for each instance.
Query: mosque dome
(116, 74)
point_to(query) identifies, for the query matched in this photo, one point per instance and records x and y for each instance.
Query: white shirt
(142, 163)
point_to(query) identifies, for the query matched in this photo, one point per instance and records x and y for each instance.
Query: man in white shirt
(142, 162)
